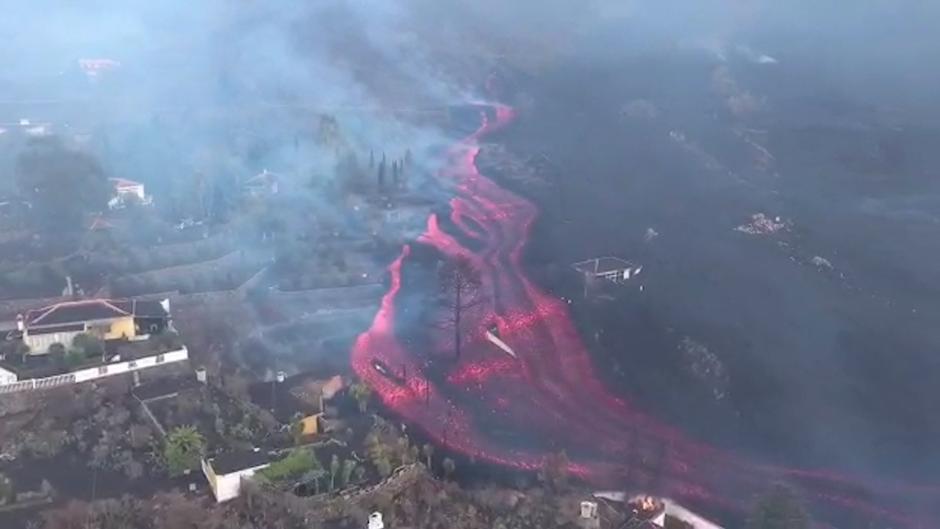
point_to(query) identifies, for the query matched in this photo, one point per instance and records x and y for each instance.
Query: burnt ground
(825, 367)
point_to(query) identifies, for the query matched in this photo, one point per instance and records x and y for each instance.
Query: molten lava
(551, 392)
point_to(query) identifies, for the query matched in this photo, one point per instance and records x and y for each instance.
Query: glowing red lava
(551, 391)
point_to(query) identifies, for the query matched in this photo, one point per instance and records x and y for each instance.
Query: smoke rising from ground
(228, 88)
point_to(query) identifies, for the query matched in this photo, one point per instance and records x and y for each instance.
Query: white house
(108, 319)
(225, 472)
(127, 191)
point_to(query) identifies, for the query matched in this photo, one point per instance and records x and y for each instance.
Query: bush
(296, 464)
(88, 345)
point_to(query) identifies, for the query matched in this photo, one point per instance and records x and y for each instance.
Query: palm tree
(315, 476)
(349, 466)
(183, 448)
(428, 451)
(334, 469)
(362, 393)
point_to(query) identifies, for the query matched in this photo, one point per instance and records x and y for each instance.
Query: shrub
(296, 464)
(88, 345)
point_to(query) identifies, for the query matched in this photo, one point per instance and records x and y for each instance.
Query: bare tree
(460, 283)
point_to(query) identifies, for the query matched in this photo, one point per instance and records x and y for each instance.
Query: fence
(96, 372)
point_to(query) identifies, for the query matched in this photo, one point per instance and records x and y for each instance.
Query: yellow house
(105, 319)
(311, 424)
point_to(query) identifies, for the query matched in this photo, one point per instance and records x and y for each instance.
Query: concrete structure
(588, 517)
(225, 472)
(375, 521)
(611, 269)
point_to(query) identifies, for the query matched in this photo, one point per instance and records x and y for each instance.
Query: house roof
(74, 311)
(604, 265)
(68, 312)
(280, 400)
(142, 308)
(228, 462)
(99, 223)
(123, 183)
(263, 178)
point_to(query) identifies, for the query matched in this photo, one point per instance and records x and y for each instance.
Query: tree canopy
(183, 448)
(62, 185)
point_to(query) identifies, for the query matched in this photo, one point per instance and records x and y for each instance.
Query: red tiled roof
(120, 183)
(100, 223)
(74, 311)
(68, 312)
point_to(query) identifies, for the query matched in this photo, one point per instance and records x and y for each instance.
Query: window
(160, 358)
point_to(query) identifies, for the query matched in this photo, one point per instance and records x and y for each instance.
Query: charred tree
(460, 283)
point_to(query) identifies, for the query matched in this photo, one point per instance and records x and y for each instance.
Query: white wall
(678, 511)
(91, 373)
(7, 377)
(229, 486)
(39, 344)
(116, 368)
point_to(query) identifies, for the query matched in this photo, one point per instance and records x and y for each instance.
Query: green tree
(62, 184)
(362, 393)
(183, 448)
(779, 508)
(57, 349)
(20, 352)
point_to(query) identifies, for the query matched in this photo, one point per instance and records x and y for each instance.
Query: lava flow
(515, 411)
